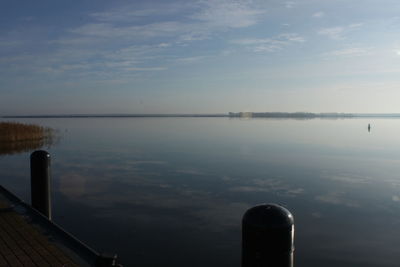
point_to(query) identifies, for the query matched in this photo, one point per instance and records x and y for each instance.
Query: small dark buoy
(267, 236)
(369, 127)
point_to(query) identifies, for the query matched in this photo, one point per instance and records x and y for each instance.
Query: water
(172, 191)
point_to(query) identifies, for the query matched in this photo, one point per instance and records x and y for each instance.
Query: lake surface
(172, 191)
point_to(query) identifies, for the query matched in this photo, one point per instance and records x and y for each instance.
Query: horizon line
(228, 114)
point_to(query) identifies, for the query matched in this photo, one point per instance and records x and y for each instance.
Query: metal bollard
(40, 182)
(267, 237)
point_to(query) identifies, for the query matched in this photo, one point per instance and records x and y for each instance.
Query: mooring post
(40, 182)
(267, 237)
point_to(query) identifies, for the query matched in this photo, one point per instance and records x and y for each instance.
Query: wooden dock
(27, 238)
(21, 244)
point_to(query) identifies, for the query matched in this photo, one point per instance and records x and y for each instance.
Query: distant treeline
(289, 115)
(77, 116)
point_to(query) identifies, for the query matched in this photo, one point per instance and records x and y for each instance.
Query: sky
(206, 56)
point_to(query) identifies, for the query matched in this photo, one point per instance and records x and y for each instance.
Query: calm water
(172, 191)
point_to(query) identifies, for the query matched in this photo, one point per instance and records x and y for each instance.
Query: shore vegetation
(18, 137)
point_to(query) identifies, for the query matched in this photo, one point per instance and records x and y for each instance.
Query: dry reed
(18, 137)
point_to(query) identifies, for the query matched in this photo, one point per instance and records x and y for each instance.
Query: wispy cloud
(319, 14)
(102, 46)
(271, 44)
(292, 37)
(111, 31)
(290, 4)
(130, 12)
(333, 33)
(77, 62)
(338, 33)
(119, 26)
(228, 14)
(146, 69)
(205, 18)
(355, 25)
(190, 59)
(10, 43)
(350, 52)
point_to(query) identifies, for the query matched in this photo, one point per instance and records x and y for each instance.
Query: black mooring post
(40, 182)
(267, 237)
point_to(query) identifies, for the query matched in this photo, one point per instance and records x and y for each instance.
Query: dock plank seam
(5, 233)
(23, 245)
(44, 247)
(52, 249)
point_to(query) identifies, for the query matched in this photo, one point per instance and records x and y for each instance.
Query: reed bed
(18, 137)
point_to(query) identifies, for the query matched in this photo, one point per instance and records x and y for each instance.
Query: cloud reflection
(337, 198)
(352, 178)
(72, 185)
(138, 191)
(190, 171)
(396, 198)
(271, 186)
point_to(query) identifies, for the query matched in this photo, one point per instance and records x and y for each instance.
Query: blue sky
(202, 56)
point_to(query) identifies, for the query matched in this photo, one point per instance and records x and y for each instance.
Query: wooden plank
(21, 244)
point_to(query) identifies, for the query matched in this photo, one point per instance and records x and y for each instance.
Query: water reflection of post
(369, 127)
(267, 236)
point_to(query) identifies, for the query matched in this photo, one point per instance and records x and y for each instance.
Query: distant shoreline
(116, 116)
(295, 115)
